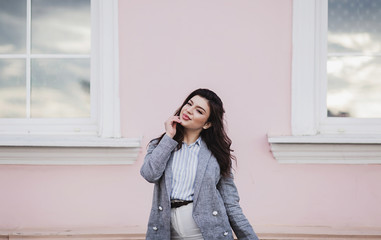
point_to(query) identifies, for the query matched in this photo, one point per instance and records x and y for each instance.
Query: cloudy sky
(354, 80)
(59, 87)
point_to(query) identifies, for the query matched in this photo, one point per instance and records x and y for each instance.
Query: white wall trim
(66, 141)
(263, 232)
(326, 149)
(68, 150)
(315, 137)
(69, 155)
(303, 89)
(79, 141)
(309, 76)
(105, 98)
(109, 115)
(328, 139)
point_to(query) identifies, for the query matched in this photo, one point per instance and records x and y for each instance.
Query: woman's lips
(186, 117)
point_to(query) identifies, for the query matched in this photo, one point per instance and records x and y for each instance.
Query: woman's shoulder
(164, 141)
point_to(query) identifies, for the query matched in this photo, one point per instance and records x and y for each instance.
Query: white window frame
(315, 137)
(35, 142)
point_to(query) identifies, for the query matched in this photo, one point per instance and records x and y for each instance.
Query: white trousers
(183, 226)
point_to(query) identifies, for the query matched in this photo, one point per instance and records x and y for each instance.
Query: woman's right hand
(170, 125)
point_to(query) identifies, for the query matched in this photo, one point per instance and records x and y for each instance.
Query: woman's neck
(191, 136)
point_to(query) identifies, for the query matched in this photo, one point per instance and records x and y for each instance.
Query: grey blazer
(216, 208)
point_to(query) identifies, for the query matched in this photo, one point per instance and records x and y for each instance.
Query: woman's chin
(184, 124)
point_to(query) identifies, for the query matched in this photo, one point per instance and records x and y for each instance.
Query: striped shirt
(184, 168)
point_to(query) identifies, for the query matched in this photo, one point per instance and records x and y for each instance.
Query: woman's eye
(199, 111)
(188, 103)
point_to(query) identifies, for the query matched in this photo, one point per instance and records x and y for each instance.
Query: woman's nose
(189, 110)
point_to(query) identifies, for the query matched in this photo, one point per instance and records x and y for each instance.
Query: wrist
(170, 135)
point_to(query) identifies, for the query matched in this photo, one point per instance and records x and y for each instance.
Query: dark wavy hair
(215, 136)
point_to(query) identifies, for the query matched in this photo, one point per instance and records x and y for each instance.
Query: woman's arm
(156, 159)
(158, 154)
(237, 219)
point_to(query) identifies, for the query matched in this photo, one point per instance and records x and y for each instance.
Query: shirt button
(215, 213)
(154, 228)
(160, 208)
(226, 233)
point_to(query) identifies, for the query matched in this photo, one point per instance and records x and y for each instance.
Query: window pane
(60, 88)
(354, 26)
(61, 26)
(354, 87)
(12, 88)
(12, 26)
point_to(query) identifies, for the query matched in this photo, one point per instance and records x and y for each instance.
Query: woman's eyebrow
(198, 106)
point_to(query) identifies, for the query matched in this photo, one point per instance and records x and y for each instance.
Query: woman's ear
(207, 125)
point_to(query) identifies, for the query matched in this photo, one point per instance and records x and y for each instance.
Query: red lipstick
(186, 117)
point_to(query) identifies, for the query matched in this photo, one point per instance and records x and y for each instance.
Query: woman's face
(194, 115)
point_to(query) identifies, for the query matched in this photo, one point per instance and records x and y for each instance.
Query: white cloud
(358, 42)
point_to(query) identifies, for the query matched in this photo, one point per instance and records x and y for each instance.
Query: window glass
(61, 26)
(60, 88)
(12, 26)
(12, 88)
(354, 26)
(354, 87)
(36, 86)
(354, 58)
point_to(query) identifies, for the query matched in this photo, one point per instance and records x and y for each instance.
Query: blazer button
(226, 233)
(154, 228)
(215, 213)
(160, 208)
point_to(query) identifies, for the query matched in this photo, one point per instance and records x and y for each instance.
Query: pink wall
(242, 50)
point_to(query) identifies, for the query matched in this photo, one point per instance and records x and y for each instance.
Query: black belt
(178, 203)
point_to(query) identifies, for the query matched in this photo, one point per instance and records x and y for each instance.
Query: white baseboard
(276, 232)
(78, 237)
(264, 233)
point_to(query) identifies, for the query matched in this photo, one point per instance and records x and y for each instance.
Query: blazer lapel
(168, 177)
(203, 159)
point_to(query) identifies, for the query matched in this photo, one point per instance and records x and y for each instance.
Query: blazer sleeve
(156, 159)
(237, 219)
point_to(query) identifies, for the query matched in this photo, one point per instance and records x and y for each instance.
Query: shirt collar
(197, 142)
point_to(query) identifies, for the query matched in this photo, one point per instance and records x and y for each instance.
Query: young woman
(190, 164)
